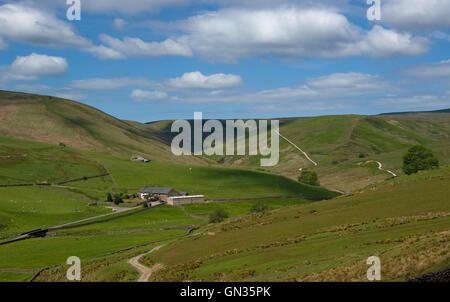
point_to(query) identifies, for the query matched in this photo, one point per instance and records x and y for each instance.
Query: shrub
(109, 197)
(361, 155)
(309, 178)
(419, 158)
(259, 207)
(145, 205)
(118, 199)
(217, 216)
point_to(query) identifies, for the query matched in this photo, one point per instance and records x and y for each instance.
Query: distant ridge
(411, 112)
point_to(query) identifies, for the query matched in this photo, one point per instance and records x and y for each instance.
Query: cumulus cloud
(231, 34)
(198, 80)
(140, 95)
(26, 24)
(382, 43)
(36, 65)
(110, 84)
(138, 48)
(416, 14)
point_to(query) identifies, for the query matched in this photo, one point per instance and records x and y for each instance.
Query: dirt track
(145, 272)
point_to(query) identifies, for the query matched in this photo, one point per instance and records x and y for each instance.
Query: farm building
(139, 159)
(180, 200)
(161, 193)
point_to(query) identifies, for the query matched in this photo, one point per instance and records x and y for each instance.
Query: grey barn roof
(163, 191)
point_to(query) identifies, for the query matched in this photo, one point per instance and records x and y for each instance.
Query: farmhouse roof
(163, 191)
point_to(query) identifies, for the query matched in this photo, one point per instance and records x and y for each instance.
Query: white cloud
(436, 70)
(416, 14)
(136, 47)
(198, 80)
(234, 33)
(105, 53)
(110, 84)
(36, 65)
(383, 43)
(422, 102)
(231, 34)
(26, 24)
(331, 88)
(350, 83)
(140, 95)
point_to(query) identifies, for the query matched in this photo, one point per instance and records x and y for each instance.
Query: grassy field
(213, 182)
(160, 217)
(24, 161)
(240, 208)
(28, 208)
(39, 253)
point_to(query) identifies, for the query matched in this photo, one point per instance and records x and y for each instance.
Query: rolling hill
(53, 120)
(341, 145)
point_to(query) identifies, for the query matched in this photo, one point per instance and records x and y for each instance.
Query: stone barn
(181, 200)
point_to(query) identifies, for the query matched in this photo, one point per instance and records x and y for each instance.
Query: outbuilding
(181, 200)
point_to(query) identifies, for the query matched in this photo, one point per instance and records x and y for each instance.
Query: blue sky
(149, 60)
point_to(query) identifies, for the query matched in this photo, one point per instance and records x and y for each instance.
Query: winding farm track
(297, 147)
(380, 167)
(145, 271)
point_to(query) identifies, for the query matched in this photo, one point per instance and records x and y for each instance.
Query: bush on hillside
(419, 158)
(217, 216)
(259, 207)
(109, 197)
(309, 178)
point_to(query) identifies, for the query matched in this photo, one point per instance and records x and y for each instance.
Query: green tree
(109, 197)
(419, 158)
(217, 216)
(309, 178)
